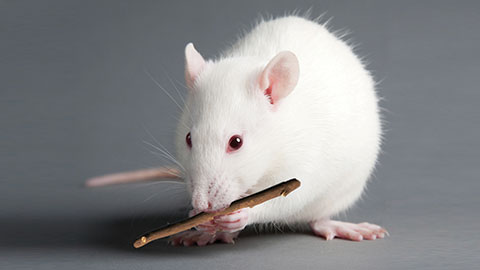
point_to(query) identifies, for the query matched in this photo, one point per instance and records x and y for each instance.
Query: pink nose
(210, 208)
(199, 203)
(204, 206)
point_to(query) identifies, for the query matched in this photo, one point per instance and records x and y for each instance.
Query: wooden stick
(282, 189)
(134, 176)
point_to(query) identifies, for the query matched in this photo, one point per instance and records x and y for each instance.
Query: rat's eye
(234, 143)
(188, 139)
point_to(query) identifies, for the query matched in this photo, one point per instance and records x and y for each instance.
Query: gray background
(76, 102)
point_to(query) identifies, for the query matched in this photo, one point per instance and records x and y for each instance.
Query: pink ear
(280, 76)
(194, 64)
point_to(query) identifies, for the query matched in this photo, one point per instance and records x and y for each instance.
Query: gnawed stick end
(291, 185)
(142, 241)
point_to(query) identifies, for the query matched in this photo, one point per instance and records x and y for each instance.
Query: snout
(199, 201)
(207, 205)
(211, 199)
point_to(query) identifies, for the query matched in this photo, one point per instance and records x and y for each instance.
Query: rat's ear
(194, 63)
(280, 76)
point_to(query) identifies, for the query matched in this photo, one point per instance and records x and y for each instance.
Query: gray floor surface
(76, 102)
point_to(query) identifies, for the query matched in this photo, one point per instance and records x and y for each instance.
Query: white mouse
(288, 100)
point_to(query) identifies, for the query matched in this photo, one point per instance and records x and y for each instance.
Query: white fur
(326, 132)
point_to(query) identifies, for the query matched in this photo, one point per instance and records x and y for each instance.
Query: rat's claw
(227, 237)
(202, 238)
(208, 226)
(232, 222)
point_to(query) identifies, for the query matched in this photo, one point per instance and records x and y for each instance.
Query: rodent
(289, 99)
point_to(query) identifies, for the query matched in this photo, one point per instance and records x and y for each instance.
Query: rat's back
(333, 108)
(315, 47)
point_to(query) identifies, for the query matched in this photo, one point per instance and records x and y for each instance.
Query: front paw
(232, 222)
(208, 226)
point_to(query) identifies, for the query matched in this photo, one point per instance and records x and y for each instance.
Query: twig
(282, 189)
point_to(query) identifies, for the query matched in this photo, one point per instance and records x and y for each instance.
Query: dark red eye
(188, 139)
(235, 143)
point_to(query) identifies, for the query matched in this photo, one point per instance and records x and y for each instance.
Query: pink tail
(134, 176)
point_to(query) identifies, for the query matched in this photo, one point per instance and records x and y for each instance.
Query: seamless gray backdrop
(76, 101)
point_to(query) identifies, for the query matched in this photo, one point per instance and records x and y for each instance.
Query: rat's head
(225, 139)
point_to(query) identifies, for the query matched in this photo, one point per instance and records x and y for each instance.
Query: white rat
(287, 100)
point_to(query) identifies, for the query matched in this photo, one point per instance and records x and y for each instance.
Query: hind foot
(202, 238)
(330, 229)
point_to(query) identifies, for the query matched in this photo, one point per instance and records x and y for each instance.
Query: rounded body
(326, 133)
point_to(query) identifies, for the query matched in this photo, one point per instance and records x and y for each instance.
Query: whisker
(167, 158)
(159, 144)
(174, 86)
(164, 150)
(178, 120)
(185, 105)
(166, 155)
(149, 197)
(153, 182)
(180, 83)
(171, 187)
(163, 89)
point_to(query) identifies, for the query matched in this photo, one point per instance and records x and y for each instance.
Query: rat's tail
(134, 176)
